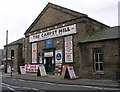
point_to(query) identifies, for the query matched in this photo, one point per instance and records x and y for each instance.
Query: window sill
(99, 72)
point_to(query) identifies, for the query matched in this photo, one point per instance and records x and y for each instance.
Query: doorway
(48, 64)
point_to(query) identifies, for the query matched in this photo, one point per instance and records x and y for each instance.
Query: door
(49, 64)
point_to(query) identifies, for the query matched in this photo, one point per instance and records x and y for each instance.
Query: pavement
(59, 80)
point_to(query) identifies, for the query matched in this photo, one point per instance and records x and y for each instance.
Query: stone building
(100, 54)
(55, 38)
(15, 52)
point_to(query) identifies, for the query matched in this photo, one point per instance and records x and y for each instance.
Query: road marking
(5, 84)
(13, 79)
(91, 87)
(49, 83)
(15, 87)
(26, 88)
(111, 88)
(21, 80)
(11, 88)
(34, 89)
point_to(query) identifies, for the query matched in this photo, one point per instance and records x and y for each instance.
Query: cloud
(17, 15)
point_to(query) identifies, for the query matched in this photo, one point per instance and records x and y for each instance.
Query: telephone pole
(6, 51)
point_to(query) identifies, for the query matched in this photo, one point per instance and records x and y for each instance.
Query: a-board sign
(71, 72)
(68, 72)
(23, 69)
(41, 70)
(64, 70)
(9, 69)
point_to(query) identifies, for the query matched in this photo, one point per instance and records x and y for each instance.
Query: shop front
(55, 43)
(49, 61)
(52, 39)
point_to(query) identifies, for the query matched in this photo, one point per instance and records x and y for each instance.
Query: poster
(9, 69)
(68, 49)
(40, 55)
(42, 70)
(58, 56)
(34, 52)
(4, 54)
(23, 69)
(71, 72)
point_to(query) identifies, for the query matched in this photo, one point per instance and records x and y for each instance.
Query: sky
(17, 15)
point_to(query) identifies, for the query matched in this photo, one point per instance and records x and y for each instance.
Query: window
(12, 54)
(98, 60)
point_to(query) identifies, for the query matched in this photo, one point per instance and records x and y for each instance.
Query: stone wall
(110, 58)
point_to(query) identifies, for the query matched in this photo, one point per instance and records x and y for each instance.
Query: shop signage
(48, 54)
(49, 43)
(34, 52)
(68, 49)
(42, 70)
(23, 69)
(9, 69)
(40, 54)
(58, 56)
(67, 30)
(4, 54)
(71, 72)
(31, 68)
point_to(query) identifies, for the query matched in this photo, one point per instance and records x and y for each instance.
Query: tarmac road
(19, 85)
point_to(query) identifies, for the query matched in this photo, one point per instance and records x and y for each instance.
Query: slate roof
(19, 41)
(103, 34)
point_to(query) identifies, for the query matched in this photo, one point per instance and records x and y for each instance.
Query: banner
(34, 52)
(67, 30)
(31, 68)
(4, 54)
(68, 49)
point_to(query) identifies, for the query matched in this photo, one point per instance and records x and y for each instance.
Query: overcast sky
(17, 15)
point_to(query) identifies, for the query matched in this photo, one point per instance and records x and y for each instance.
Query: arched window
(98, 60)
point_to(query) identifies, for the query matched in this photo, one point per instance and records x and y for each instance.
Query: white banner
(71, 72)
(23, 69)
(68, 49)
(53, 33)
(31, 68)
(34, 52)
(58, 56)
(42, 70)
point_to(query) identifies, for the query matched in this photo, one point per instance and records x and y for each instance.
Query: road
(18, 85)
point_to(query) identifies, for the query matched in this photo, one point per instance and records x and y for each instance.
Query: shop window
(98, 60)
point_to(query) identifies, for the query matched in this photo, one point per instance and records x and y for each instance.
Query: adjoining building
(57, 37)
(100, 55)
(1, 56)
(15, 54)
